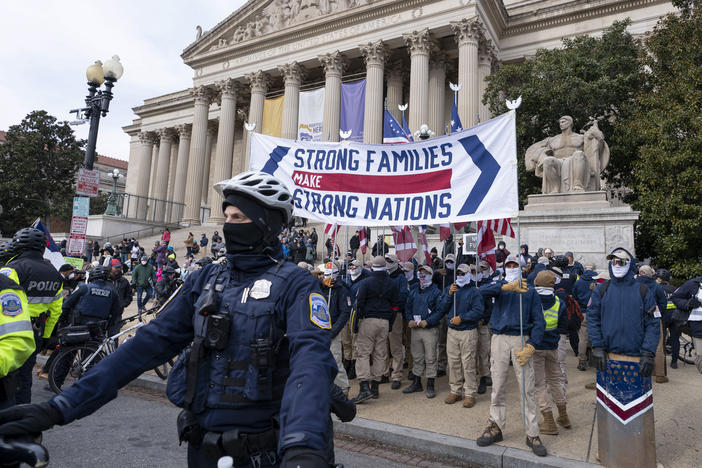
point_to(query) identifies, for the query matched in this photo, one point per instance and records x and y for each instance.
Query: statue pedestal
(582, 222)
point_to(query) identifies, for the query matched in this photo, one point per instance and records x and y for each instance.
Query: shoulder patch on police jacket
(319, 311)
(6, 271)
(11, 304)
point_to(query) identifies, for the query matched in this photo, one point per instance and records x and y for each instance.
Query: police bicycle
(81, 347)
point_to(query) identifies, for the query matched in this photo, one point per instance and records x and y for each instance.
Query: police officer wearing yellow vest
(16, 338)
(43, 286)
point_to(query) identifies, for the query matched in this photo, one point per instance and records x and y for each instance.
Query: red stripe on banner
(625, 415)
(382, 184)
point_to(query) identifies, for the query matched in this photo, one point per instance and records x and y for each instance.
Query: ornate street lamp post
(111, 209)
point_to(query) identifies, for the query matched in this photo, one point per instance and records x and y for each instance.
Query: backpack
(643, 289)
(573, 308)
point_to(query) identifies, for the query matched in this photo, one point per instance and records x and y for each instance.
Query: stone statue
(569, 162)
(198, 35)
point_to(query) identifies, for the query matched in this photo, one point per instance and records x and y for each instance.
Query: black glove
(646, 363)
(303, 457)
(28, 419)
(693, 303)
(341, 406)
(600, 358)
(40, 343)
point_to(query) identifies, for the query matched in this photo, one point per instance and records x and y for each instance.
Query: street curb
(443, 445)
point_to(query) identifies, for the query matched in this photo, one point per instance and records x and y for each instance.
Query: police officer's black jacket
(37, 276)
(92, 302)
(378, 296)
(339, 305)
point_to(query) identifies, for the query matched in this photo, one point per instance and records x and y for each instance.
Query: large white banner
(467, 176)
(310, 115)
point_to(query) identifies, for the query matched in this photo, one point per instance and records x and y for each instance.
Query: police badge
(261, 289)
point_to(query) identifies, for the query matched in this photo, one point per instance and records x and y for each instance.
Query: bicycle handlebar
(22, 450)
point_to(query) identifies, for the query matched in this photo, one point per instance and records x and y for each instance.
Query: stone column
(486, 57)
(467, 35)
(225, 144)
(181, 176)
(209, 149)
(142, 188)
(239, 151)
(418, 46)
(374, 55)
(133, 173)
(172, 168)
(161, 181)
(395, 96)
(333, 64)
(154, 165)
(437, 91)
(293, 76)
(196, 162)
(259, 83)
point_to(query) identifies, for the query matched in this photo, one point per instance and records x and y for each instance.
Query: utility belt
(38, 325)
(244, 448)
(8, 386)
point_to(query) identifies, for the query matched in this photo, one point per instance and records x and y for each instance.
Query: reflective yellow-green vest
(16, 335)
(551, 315)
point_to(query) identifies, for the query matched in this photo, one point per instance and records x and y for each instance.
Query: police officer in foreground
(255, 384)
(43, 286)
(95, 301)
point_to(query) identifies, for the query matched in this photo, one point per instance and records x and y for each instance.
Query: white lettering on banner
(467, 176)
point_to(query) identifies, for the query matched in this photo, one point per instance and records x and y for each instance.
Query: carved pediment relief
(260, 17)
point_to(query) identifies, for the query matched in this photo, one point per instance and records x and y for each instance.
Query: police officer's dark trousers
(24, 393)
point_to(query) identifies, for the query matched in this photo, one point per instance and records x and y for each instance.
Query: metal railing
(138, 234)
(152, 210)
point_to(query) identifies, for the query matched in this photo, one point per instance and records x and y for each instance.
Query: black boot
(488, 381)
(364, 393)
(481, 386)
(347, 365)
(351, 374)
(431, 393)
(410, 376)
(374, 389)
(415, 387)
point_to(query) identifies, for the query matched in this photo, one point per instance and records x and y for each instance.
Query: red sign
(79, 225)
(87, 182)
(76, 246)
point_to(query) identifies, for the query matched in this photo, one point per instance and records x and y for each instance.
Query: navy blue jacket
(378, 296)
(339, 305)
(658, 292)
(353, 284)
(469, 306)
(94, 301)
(398, 276)
(425, 303)
(570, 276)
(551, 337)
(619, 322)
(532, 276)
(304, 408)
(581, 290)
(505, 313)
(680, 298)
(488, 302)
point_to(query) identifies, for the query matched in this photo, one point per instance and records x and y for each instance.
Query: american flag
(486, 244)
(445, 230)
(501, 226)
(363, 239)
(425, 244)
(331, 229)
(405, 248)
(456, 125)
(51, 252)
(393, 133)
(405, 128)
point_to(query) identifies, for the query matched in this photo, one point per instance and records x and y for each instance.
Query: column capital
(467, 31)
(293, 73)
(418, 42)
(227, 87)
(333, 63)
(487, 53)
(147, 138)
(202, 94)
(184, 130)
(373, 53)
(258, 81)
(166, 134)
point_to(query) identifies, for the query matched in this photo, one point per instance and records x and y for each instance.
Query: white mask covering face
(355, 273)
(409, 275)
(478, 277)
(544, 291)
(462, 280)
(450, 265)
(512, 274)
(424, 280)
(71, 276)
(620, 271)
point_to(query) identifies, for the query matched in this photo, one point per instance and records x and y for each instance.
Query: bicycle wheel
(71, 364)
(163, 370)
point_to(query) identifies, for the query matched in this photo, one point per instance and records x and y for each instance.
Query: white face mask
(355, 273)
(620, 271)
(544, 291)
(462, 280)
(144, 262)
(424, 280)
(449, 265)
(71, 276)
(374, 268)
(409, 275)
(512, 274)
(478, 277)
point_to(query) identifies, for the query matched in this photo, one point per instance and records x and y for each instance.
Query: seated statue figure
(569, 162)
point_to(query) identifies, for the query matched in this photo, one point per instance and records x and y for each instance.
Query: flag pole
(346, 261)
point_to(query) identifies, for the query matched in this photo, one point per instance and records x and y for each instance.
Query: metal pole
(94, 109)
(521, 321)
(346, 261)
(455, 263)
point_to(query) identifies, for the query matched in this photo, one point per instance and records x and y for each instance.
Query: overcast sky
(47, 45)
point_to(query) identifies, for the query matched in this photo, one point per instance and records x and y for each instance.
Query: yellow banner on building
(273, 117)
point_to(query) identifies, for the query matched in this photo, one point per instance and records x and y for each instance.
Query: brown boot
(548, 427)
(468, 402)
(452, 398)
(491, 434)
(563, 416)
(661, 379)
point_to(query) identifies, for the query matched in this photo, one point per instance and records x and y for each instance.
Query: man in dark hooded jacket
(647, 276)
(581, 293)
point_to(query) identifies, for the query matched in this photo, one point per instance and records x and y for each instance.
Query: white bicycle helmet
(262, 187)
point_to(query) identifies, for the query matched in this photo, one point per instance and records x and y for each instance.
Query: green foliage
(98, 204)
(38, 163)
(666, 126)
(589, 78)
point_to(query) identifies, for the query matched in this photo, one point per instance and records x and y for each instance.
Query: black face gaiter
(242, 238)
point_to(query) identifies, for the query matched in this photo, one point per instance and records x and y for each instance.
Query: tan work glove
(328, 282)
(453, 289)
(593, 285)
(456, 321)
(518, 286)
(423, 324)
(525, 354)
(412, 324)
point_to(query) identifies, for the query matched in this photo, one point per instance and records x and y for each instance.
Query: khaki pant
(341, 378)
(347, 341)
(547, 376)
(442, 358)
(424, 351)
(698, 353)
(502, 348)
(461, 350)
(584, 340)
(484, 350)
(659, 367)
(563, 345)
(371, 342)
(397, 350)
